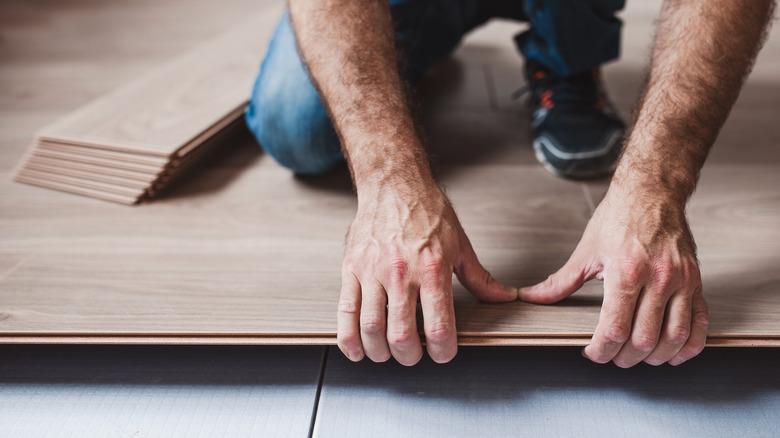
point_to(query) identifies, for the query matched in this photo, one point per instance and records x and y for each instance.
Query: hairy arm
(348, 47)
(703, 51)
(638, 239)
(406, 241)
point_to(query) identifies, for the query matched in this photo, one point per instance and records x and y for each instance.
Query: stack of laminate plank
(130, 144)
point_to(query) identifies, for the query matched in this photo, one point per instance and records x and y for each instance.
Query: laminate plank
(273, 270)
(97, 177)
(551, 392)
(258, 251)
(100, 153)
(316, 339)
(79, 182)
(83, 159)
(166, 109)
(157, 392)
(68, 188)
(87, 169)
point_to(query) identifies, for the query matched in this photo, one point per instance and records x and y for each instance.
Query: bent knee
(297, 137)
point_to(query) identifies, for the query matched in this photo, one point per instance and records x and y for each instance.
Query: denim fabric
(289, 120)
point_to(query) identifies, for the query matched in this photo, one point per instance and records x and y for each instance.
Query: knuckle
(644, 342)
(348, 307)
(372, 326)
(690, 271)
(439, 332)
(679, 334)
(625, 297)
(632, 272)
(665, 276)
(401, 337)
(399, 268)
(616, 334)
(434, 264)
(701, 319)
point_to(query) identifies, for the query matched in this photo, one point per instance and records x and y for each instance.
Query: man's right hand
(401, 248)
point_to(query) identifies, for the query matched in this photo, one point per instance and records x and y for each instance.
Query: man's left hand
(639, 243)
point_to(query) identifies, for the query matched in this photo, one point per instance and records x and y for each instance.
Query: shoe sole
(542, 158)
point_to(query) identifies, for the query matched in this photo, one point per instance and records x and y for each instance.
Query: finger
(676, 329)
(476, 279)
(646, 328)
(402, 334)
(347, 331)
(561, 284)
(699, 324)
(438, 312)
(373, 314)
(617, 314)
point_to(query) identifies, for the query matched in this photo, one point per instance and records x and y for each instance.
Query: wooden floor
(245, 253)
(56, 56)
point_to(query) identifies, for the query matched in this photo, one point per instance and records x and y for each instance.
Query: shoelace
(549, 90)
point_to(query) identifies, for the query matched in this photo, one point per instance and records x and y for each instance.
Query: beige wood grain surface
(97, 161)
(102, 153)
(165, 110)
(242, 252)
(69, 167)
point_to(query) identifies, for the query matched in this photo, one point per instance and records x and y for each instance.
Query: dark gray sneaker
(577, 132)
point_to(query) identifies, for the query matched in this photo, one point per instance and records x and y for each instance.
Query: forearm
(349, 49)
(703, 51)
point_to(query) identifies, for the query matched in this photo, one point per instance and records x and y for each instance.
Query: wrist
(409, 178)
(397, 188)
(660, 167)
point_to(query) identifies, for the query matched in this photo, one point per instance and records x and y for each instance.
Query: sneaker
(577, 132)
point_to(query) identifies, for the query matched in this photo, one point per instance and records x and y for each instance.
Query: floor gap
(319, 391)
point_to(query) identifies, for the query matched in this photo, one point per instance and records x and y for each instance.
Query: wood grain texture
(101, 153)
(166, 109)
(246, 253)
(272, 272)
(98, 161)
(78, 190)
(177, 108)
(79, 182)
(108, 177)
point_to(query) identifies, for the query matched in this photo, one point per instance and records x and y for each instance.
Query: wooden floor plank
(101, 153)
(258, 251)
(75, 168)
(97, 161)
(77, 190)
(169, 107)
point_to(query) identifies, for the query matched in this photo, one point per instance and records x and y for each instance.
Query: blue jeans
(289, 120)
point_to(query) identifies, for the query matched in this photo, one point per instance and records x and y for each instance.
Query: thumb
(559, 285)
(476, 279)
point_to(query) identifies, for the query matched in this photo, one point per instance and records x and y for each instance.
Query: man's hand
(400, 249)
(638, 240)
(653, 308)
(406, 241)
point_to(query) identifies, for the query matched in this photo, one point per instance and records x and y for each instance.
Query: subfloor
(55, 56)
